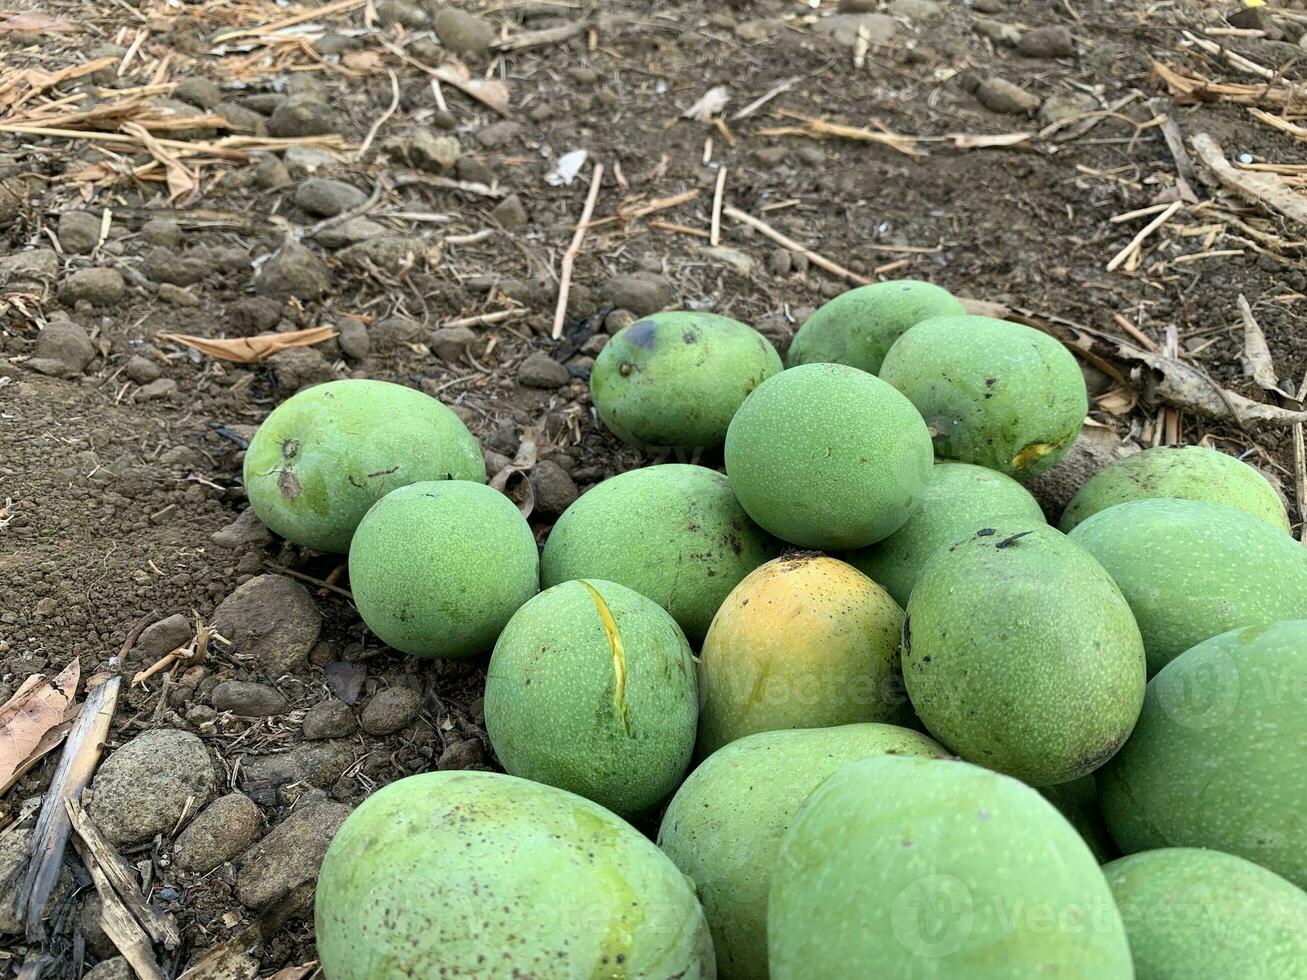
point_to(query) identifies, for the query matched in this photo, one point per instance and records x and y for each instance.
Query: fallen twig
(1185, 178)
(484, 319)
(533, 39)
(766, 97)
(819, 128)
(381, 119)
(1147, 230)
(565, 269)
(818, 260)
(313, 13)
(715, 235)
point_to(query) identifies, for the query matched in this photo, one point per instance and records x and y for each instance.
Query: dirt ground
(174, 187)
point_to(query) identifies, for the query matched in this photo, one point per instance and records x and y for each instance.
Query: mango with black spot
(478, 874)
(725, 824)
(1021, 654)
(591, 688)
(328, 453)
(674, 380)
(804, 641)
(672, 532)
(995, 393)
(438, 568)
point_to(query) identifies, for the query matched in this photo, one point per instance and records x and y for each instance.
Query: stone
(271, 619)
(1093, 451)
(294, 271)
(98, 286)
(390, 710)
(271, 174)
(988, 6)
(540, 370)
(30, 266)
(316, 764)
(182, 110)
(464, 33)
(461, 755)
(246, 531)
(499, 134)
(254, 314)
(300, 367)
(844, 28)
(642, 293)
(178, 268)
(63, 349)
(998, 32)
(394, 332)
(353, 338)
(144, 787)
(553, 487)
(331, 718)
(78, 231)
(161, 231)
(302, 115)
(1066, 105)
(222, 832)
(14, 851)
(778, 262)
(351, 232)
(247, 699)
(327, 198)
(301, 161)
(434, 154)
(403, 13)
(451, 343)
(734, 259)
(510, 212)
(582, 74)
(114, 968)
(290, 855)
(177, 295)
(922, 11)
(159, 388)
(1000, 95)
(1047, 42)
(393, 254)
(162, 638)
(200, 92)
(475, 170)
(242, 120)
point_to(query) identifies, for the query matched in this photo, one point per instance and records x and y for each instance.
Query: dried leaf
(1118, 401)
(1256, 352)
(181, 181)
(295, 972)
(512, 480)
(251, 350)
(492, 92)
(361, 61)
(25, 719)
(1258, 187)
(711, 104)
(36, 22)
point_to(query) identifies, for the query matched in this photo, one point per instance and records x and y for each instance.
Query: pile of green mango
(839, 699)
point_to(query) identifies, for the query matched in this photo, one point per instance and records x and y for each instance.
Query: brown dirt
(110, 502)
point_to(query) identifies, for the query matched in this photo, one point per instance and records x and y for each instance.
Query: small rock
(222, 832)
(271, 174)
(510, 212)
(63, 349)
(393, 254)
(161, 231)
(254, 314)
(144, 787)
(594, 344)
(1255, 19)
(540, 370)
(271, 619)
(617, 320)
(242, 120)
(182, 110)
(327, 198)
(353, 338)
(464, 33)
(98, 286)
(1000, 95)
(922, 11)
(475, 170)
(857, 6)
(451, 343)
(1047, 42)
(177, 295)
(461, 755)
(114, 968)
(583, 75)
(434, 154)
(844, 28)
(998, 32)
(1064, 106)
(313, 764)
(1086, 458)
(554, 488)
(329, 719)
(642, 293)
(165, 636)
(79, 232)
(33, 265)
(778, 262)
(294, 271)
(988, 6)
(290, 855)
(157, 389)
(351, 232)
(198, 92)
(300, 367)
(302, 115)
(736, 260)
(178, 268)
(394, 332)
(302, 161)
(249, 700)
(402, 12)
(390, 710)
(247, 531)
(499, 134)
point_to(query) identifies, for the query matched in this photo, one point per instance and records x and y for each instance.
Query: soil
(120, 461)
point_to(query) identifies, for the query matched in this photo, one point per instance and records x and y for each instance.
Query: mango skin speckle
(673, 380)
(672, 532)
(1217, 759)
(725, 824)
(899, 866)
(1191, 569)
(804, 641)
(437, 568)
(1186, 472)
(859, 326)
(328, 453)
(1020, 654)
(610, 716)
(826, 456)
(1194, 914)
(478, 874)
(994, 393)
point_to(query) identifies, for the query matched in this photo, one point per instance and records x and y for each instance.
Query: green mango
(328, 453)
(934, 869)
(438, 568)
(478, 874)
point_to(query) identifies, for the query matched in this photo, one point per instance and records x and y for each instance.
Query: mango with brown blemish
(804, 641)
(674, 380)
(328, 453)
(591, 688)
(478, 874)
(994, 393)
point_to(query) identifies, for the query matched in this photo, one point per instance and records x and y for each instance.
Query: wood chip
(251, 350)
